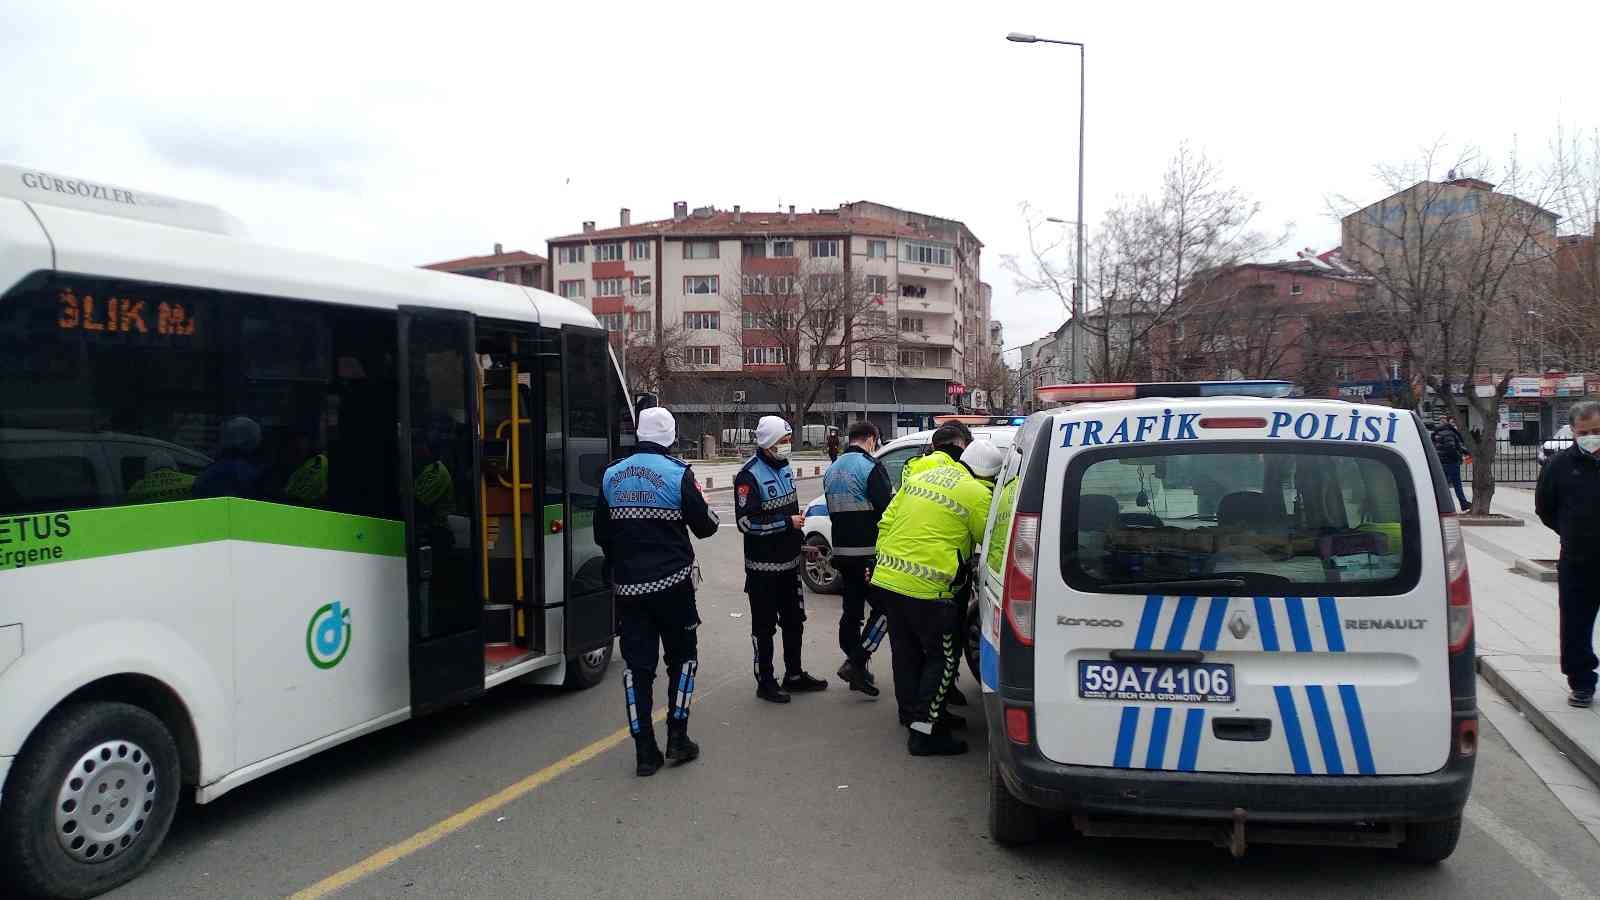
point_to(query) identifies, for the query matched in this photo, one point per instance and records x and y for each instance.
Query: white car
(1561, 441)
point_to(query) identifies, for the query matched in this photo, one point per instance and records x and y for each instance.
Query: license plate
(1104, 679)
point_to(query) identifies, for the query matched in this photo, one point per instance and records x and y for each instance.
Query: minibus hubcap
(105, 800)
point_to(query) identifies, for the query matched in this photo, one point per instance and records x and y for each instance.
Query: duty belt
(758, 566)
(646, 512)
(660, 584)
(915, 569)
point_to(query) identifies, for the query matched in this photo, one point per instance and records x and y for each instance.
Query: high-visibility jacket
(435, 492)
(162, 486)
(928, 533)
(308, 484)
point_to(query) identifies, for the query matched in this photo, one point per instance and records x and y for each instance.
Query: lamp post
(1077, 292)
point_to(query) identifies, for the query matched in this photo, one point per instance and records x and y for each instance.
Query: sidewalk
(1516, 622)
(716, 476)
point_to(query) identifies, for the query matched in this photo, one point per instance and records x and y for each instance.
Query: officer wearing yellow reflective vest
(925, 541)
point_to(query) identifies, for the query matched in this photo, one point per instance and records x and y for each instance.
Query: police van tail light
(1459, 611)
(1021, 564)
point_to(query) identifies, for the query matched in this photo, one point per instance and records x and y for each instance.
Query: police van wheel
(89, 800)
(974, 635)
(1431, 842)
(586, 670)
(1011, 822)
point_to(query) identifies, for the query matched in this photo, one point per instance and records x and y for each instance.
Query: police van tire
(49, 851)
(1011, 822)
(585, 670)
(1431, 842)
(974, 634)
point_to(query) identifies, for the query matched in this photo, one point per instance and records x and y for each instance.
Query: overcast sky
(409, 138)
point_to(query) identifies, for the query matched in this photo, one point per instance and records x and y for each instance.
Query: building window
(640, 249)
(608, 287)
(824, 248)
(572, 290)
(785, 284)
(641, 285)
(913, 290)
(913, 359)
(753, 250)
(878, 317)
(766, 356)
(702, 321)
(569, 254)
(756, 284)
(1296, 289)
(823, 284)
(702, 356)
(641, 321)
(877, 284)
(700, 250)
(700, 284)
(878, 249)
(783, 248)
(612, 321)
(925, 254)
(768, 320)
(875, 354)
(912, 323)
(607, 252)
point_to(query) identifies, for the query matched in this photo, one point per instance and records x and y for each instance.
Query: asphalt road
(814, 799)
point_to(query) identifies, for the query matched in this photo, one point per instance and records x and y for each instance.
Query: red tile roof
(494, 260)
(721, 224)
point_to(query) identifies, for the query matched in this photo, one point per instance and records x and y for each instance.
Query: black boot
(955, 697)
(949, 721)
(680, 749)
(772, 692)
(859, 679)
(803, 682)
(647, 754)
(936, 744)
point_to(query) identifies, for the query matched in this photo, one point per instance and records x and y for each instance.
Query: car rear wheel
(819, 574)
(1011, 822)
(1431, 842)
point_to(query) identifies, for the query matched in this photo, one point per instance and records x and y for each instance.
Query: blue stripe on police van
(1297, 624)
(1269, 628)
(1358, 729)
(1125, 733)
(1147, 622)
(1291, 728)
(1325, 733)
(1190, 748)
(1330, 623)
(1180, 623)
(1155, 756)
(1213, 629)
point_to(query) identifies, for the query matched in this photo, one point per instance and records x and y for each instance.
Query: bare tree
(1147, 253)
(1566, 327)
(1452, 262)
(806, 325)
(1225, 329)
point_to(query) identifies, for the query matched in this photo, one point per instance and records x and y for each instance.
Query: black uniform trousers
(1578, 581)
(775, 600)
(922, 635)
(667, 618)
(858, 642)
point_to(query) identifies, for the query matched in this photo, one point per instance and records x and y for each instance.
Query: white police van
(1214, 611)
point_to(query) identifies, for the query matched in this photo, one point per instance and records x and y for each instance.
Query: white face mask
(1589, 442)
(781, 451)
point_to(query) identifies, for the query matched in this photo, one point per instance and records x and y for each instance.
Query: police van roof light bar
(1086, 393)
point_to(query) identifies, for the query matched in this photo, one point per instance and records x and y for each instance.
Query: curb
(1537, 569)
(1581, 756)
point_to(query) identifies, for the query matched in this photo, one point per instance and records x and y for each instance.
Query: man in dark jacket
(1450, 446)
(648, 504)
(833, 444)
(858, 490)
(1568, 502)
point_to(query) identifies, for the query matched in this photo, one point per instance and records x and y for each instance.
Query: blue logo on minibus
(328, 635)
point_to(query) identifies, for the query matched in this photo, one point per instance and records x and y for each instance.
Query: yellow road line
(432, 834)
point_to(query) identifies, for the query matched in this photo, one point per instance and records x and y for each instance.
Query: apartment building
(516, 267)
(694, 278)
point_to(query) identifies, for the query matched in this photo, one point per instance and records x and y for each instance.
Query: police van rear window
(1240, 519)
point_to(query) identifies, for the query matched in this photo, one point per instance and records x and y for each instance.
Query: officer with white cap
(768, 511)
(649, 503)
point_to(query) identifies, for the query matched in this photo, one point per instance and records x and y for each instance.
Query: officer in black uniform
(857, 490)
(649, 502)
(768, 511)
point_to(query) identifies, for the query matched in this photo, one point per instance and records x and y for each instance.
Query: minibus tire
(583, 673)
(1011, 822)
(32, 854)
(1430, 842)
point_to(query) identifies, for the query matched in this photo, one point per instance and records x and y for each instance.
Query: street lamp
(1077, 296)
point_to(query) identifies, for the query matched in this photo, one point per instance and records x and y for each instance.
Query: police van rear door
(1241, 585)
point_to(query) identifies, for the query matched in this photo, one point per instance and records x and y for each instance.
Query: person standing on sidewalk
(833, 444)
(1567, 501)
(768, 511)
(858, 490)
(1450, 446)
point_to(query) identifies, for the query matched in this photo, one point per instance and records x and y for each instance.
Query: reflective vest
(162, 486)
(645, 534)
(435, 492)
(930, 529)
(764, 498)
(308, 484)
(847, 489)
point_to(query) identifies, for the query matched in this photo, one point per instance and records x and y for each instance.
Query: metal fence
(1513, 462)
